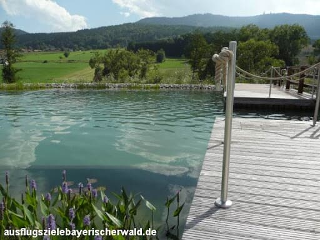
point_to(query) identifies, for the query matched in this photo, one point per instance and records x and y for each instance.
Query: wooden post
(272, 74)
(301, 80)
(316, 110)
(290, 72)
(277, 75)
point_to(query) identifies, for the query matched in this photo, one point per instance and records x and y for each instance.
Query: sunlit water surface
(151, 142)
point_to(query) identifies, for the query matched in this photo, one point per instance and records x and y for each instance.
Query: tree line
(258, 48)
(102, 37)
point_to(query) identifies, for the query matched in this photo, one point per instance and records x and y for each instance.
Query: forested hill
(153, 29)
(17, 32)
(310, 22)
(105, 37)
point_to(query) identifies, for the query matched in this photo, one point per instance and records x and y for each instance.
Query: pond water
(151, 142)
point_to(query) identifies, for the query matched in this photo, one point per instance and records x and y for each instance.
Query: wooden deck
(274, 183)
(257, 95)
(262, 91)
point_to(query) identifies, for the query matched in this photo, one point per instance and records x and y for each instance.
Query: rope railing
(275, 69)
(286, 77)
(226, 69)
(266, 72)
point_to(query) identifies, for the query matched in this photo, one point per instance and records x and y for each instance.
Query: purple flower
(51, 222)
(89, 186)
(97, 238)
(46, 237)
(7, 178)
(72, 226)
(105, 199)
(48, 197)
(33, 185)
(1, 210)
(80, 188)
(86, 220)
(71, 214)
(95, 193)
(65, 187)
(64, 175)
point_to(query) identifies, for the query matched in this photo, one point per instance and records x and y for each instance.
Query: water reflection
(151, 142)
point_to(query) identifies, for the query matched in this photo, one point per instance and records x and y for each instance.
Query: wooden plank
(257, 95)
(274, 183)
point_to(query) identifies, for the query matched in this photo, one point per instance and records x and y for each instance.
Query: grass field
(48, 67)
(58, 56)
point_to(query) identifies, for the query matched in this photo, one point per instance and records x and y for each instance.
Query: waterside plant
(83, 208)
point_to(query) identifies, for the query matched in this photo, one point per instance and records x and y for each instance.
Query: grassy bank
(54, 67)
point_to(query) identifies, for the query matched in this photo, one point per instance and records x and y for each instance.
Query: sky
(72, 15)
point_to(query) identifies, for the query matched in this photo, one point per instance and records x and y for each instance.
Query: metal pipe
(316, 110)
(313, 82)
(271, 82)
(223, 202)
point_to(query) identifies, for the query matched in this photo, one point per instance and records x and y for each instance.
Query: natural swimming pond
(150, 142)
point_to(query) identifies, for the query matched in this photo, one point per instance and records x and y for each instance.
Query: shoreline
(39, 86)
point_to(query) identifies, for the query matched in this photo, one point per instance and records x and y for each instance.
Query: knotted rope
(222, 59)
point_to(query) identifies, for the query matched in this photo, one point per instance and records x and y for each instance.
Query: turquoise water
(152, 142)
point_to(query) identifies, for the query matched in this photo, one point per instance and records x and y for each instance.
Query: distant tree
(8, 39)
(258, 56)
(146, 57)
(312, 59)
(221, 39)
(196, 52)
(66, 54)
(160, 56)
(121, 64)
(290, 40)
(316, 51)
(95, 60)
(253, 32)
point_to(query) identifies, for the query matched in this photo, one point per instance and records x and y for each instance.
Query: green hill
(310, 22)
(158, 28)
(105, 37)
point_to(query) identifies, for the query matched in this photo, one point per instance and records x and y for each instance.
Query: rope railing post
(313, 82)
(223, 201)
(316, 110)
(271, 81)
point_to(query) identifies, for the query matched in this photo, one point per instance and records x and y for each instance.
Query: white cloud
(142, 8)
(169, 8)
(126, 14)
(46, 11)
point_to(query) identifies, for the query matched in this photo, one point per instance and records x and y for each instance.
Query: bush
(66, 54)
(97, 74)
(160, 56)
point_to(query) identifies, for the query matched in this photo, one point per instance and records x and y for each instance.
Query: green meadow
(49, 67)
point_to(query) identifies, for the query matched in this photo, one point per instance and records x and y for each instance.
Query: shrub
(66, 54)
(160, 56)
